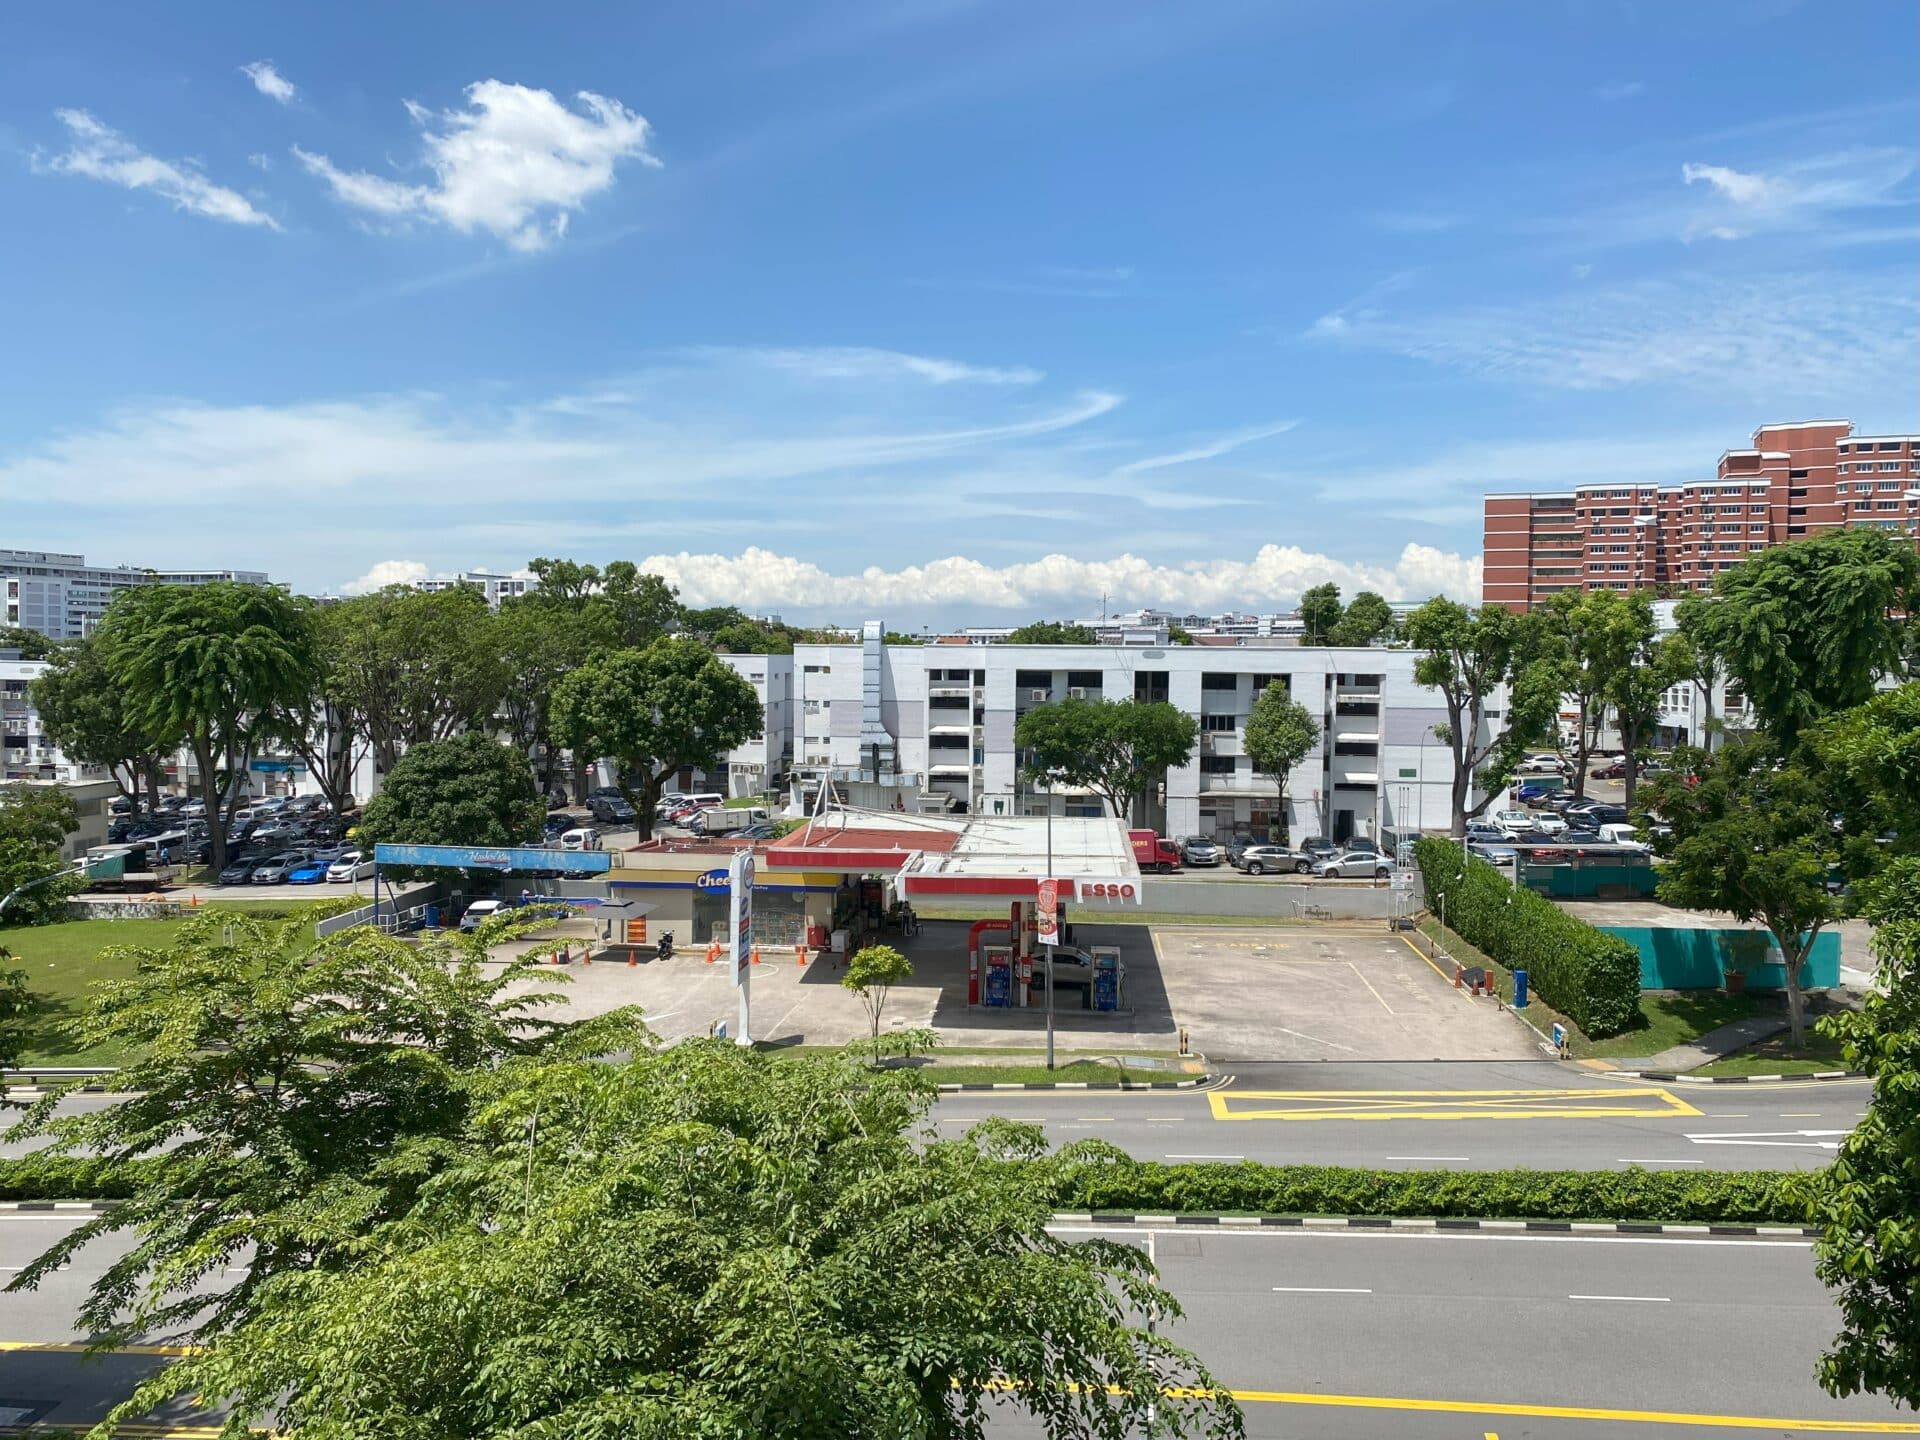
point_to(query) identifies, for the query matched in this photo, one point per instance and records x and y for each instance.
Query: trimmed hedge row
(1746, 1197)
(1591, 978)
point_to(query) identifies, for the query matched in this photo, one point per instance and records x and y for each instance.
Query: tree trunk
(1794, 957)
(1630, 766)
(1582, 753)
(216, 812)
(1706, 721)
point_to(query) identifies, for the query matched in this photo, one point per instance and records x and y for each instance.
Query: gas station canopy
(942, 858)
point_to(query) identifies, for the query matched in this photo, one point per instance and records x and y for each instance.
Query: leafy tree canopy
(86, 715)
(1052, 632)
(655, 711)
(470, 790)
(1320, 613)
(31, 644)
(712, 1242)
(1809, 628)
(1367, 620)
(1116, 748)
(34, 823)
(1177, 635)
(1280, 732)
(871, 973)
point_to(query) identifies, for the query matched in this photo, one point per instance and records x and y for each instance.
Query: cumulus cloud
(99, 152)
(269, 81)
(516, 163)
(385, 573)
(1275, 576)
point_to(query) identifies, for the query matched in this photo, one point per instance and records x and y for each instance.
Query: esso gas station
(1045, 872)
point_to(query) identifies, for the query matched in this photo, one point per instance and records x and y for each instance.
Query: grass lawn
(64, 962)
(1776, 1056)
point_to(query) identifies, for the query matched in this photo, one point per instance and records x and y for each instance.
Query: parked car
(1549, 823)
(1612, 770)
(479, 912)
(1561, 801)
(1361, 845)
(274, 871)
(1542, 764)
(1199, 850)
(1513, 822)
(556, 825)
(1492, 833)
(350, 867)
(611, 810)
(240, 872)
(310, 872)
(1491, 851)
(584, 838)
(1354, 864)
(762, 831)
(1272, 860)
(1239, 841)
(1319, 847)
(1578, 837)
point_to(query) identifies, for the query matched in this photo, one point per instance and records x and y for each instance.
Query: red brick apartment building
(1797, 479)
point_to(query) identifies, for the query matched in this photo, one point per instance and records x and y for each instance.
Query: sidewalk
(1714, 1045)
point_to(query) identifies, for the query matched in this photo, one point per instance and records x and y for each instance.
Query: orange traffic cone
(633, 956)
(800, 955)
(586, 955)
(756, 954)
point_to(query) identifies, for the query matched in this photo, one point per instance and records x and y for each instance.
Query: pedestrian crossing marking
(1596, 1103)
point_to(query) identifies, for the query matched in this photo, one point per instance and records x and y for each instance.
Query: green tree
(413, 665)
(709, 1242)
(639, 608)
(85, 713)
(1695, 657)
(16, 1007)
(211, 666)
(871, 973)
(470, 790)
(1116, 748)
(1469, 656)
(540, 644)
(1367, 620)
(1177, 635)
(1280, 731)
(30, 644)
(325, 727)
(1809, 628)
(34, 825)
(1634, 690)
(750, 637)
(318, 1085)
(1319, 613)
(1867, 1202)
(655, 711)
(1052, 632)
(1754, 840)
(1597, 632)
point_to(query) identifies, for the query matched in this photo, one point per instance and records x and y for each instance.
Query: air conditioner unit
(1078, 692)
(1037, 696)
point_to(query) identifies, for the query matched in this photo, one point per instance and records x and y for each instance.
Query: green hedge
(1115, 1183)
(1746, 1197)
(1591, 978)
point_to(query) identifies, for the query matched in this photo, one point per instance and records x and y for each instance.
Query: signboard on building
(637, 932)
(495, 857)
(714, 882)
(1047, 898)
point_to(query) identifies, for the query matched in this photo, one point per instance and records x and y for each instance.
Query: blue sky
(928, 310)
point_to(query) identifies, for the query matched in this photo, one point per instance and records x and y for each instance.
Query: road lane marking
(1338, 1230)
(1624, 1161)
(1799, 1114)
(62, 1347)
(1435, 1159)
(1318, 1290)
(1780, 1139)
(1636, 1299)
(1206, 1157)
(1369, 984)
(1607, 1103)
(1564, 1412)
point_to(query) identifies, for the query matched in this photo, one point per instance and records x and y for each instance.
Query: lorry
(1153, 853)
(126, 867)
(718, 821)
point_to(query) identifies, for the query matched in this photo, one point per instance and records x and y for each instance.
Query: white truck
(721, 821)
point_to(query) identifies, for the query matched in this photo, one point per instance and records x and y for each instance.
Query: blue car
(314, 872)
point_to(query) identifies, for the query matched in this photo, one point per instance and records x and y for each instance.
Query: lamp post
(49, 878)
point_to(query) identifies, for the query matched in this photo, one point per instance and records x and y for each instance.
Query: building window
(1219, 724)
(1218, 764)
(1219, 682)
(1889, 444)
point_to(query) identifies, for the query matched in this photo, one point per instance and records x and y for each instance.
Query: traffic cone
(800, 955)
(633, 957)
(586, 956)
(1457, 973)
(756, 954)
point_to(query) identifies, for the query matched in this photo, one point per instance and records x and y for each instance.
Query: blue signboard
(504, 858)
(717, 881)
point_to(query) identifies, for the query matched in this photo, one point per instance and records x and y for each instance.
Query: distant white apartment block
(493, 585)
(62, 597)
(938, 720)
(25, 751)
(757, 765)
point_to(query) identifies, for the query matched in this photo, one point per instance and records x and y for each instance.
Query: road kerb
(1102, 1218)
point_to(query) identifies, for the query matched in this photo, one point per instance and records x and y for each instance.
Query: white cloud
(852, 362)
(1739, 187)
(1209, 450)
(99, 152)
(269, 81)
(516, 164)
(385, 573)
(260, 161)
(1276, 574)
(1618, 90)
(1831, 339)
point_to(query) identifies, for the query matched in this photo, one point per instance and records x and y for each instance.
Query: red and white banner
(1047, 901)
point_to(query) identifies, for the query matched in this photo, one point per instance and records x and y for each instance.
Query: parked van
(583, 838)
(703, 802)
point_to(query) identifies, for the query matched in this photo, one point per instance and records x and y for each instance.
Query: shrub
(1591, 978)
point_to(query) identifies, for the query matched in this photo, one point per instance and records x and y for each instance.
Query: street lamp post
(1056, 928)
(8, 898)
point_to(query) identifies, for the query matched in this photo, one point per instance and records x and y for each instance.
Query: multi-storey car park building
(1795, 480)
(937, 721)
(63, 597)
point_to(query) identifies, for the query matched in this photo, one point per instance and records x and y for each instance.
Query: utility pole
(1054, 934)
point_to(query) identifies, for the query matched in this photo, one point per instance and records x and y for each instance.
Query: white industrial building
(936, 722)
(752, 768)
(63, 597)
(25, 751)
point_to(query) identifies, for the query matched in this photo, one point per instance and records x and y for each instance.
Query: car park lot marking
(1445, 1104)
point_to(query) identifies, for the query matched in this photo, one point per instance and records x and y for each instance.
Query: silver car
(1272, 860)
(1355, 865)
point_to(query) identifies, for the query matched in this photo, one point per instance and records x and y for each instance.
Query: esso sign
(1127, 892)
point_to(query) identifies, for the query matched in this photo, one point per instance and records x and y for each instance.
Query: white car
(1548, 823)
(1355, 865)
(1515, 822)
(1542, 764)
(350, 867)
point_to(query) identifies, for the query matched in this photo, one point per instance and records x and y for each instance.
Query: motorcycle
(664, 949)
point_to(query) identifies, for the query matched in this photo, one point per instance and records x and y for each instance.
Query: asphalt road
(1429, 1115)
(1445, 1115)
(1352, 1335)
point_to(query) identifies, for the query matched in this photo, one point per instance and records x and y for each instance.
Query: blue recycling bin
(1519, 989)
(433, 917)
